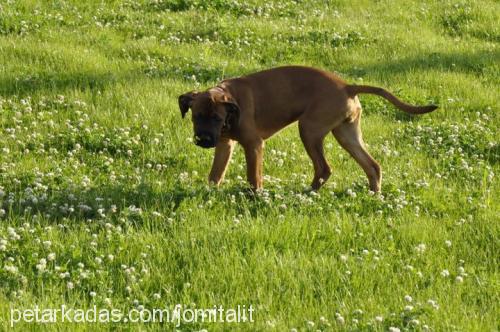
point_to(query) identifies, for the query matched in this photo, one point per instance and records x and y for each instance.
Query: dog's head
(213, 112)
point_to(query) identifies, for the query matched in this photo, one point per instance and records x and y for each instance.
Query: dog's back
(281, 95)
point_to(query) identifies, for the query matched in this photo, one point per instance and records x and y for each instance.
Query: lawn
(104, 198)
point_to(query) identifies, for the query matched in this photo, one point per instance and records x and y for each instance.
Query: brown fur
(250, 109)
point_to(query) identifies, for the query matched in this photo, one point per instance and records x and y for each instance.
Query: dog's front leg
(253, 156)
(223, 152)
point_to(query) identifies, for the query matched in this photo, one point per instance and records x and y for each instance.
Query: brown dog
(252, 108)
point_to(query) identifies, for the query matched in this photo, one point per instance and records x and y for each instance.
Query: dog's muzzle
(205, 140)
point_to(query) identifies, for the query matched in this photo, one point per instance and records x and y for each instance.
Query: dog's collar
(219, 88)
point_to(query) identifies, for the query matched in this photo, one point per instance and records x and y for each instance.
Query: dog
(251, 108)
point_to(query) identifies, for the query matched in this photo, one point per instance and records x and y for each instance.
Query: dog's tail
(353, 90)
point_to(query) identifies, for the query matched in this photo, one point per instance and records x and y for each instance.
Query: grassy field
(104, 199)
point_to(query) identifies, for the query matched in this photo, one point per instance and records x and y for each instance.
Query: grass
(104, 201)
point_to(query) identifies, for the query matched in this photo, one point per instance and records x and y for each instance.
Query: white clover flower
(51, 257)
(447, 243)
(92, 294)
(420, 248)
(394, 329)
(41, 267)
(11, 269)
(408, 298)
(445, 273)
(459, 279)
(156, 296)
(12, 233)
(379, 319)
(433, 304)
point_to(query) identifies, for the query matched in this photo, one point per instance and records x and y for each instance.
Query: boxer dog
(251, 108)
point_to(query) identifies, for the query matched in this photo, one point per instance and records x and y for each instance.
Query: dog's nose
(204, 140)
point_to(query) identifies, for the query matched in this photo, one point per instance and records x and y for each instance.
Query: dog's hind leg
(348, 134)
(312, 136)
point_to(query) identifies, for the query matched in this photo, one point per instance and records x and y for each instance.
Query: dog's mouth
(205, 145)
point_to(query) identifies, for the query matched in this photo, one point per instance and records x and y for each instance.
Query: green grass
(94, 157)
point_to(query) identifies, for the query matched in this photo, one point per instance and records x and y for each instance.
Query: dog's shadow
(112, 201)
(79, 203)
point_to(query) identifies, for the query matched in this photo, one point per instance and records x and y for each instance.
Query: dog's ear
(185, 102)
(232, 113)
(224, 97)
